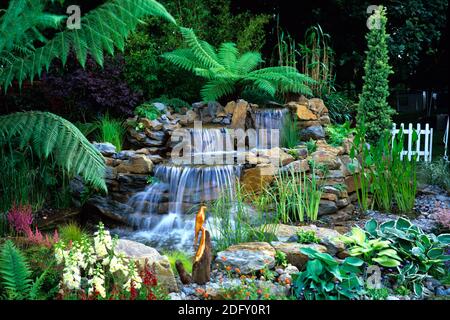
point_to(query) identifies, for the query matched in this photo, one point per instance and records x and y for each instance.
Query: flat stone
(138, 164)
(248, 257)
(328, 237)
(107, 149)
(297, 166)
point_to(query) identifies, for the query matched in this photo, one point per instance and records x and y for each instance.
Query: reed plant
(361, 151)
(232, 220)
(290, 132)
(296, 196)
(112, 131)
(389, 177)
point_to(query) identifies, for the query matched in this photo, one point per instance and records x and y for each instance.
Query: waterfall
(162, 212)
(269, 119)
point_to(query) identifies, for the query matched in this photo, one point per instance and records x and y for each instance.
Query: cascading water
(269, 119)
(161, 210)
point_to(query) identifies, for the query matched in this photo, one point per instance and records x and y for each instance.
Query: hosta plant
(327, 279)
(425, 254)
(371, 250)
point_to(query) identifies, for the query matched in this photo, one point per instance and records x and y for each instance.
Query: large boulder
(239, 119)
(328, 237)
(137, 164)
(326, 158)
(293, 254)
(142, 253)
(312, 132)
(255, 180)
(297, 166)
(248, 257)
(107, 149)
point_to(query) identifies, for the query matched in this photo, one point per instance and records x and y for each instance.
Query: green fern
(14, 272)
(48, 134)
(225, 69)
(102, 30)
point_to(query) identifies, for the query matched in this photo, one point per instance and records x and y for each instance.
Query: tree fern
(14, 272)
(102, 29)
(48, 134)
(225, 69)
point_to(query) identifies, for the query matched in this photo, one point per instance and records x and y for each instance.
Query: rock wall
(149, 144)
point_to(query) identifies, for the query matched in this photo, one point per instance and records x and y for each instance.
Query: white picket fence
(416, 150)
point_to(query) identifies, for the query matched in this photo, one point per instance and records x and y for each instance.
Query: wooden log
(201, 269)
(184, 276)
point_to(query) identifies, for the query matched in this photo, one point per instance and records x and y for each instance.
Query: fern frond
(248, 62)
(102, 29)
(225, 69)
(214, 89)
(202, 50)
(49, 134)
(14, 271)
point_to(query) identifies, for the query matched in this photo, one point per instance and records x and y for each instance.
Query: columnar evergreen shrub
(373, 107)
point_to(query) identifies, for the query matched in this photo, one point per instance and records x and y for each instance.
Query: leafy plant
(311, 146)
(147, 110)
(435, 173)
(337, 133)
(102, 29)
(424, 254)
(112, 131)
(341, 106)
(371, 250)
(225, 69)
(378, 294)
(15, 274)
(307, 236)
(280, 259)
(327, 279)
(296, 195)
(318, 60)
(49, 134)
(231, 220)
(373, 107)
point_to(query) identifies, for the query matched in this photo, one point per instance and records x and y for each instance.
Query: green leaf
(387, 262)
(418, 289)
(371, 227)
(444, 238)
(354, 261)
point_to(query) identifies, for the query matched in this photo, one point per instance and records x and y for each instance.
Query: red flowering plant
(20, 218)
